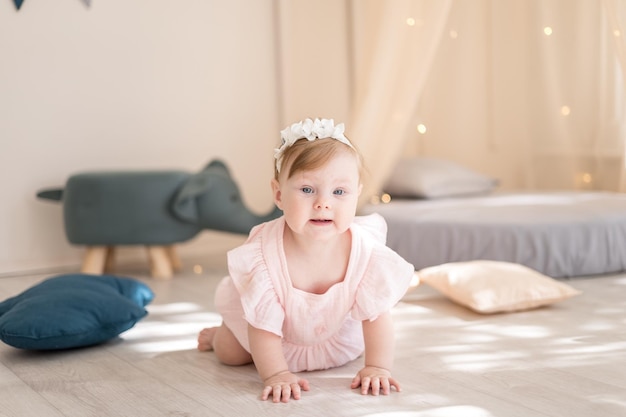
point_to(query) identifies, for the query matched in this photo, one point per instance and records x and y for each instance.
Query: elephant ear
(217, 166)
(184, 205)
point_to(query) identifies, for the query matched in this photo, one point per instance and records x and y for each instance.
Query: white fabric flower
(310, 130)
(307, 129)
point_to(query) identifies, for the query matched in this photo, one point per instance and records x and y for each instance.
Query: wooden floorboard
(566, 360)
(17, 398)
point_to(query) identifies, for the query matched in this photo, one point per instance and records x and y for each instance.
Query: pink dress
(318, 331)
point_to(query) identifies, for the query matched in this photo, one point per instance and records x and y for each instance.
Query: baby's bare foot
(205, 339)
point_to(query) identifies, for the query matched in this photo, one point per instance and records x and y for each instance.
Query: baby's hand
(283, 386)
(378, 379)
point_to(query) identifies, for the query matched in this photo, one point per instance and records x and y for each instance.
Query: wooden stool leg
(94, 260)
(160, 266)
(172, 255)
(109, 263)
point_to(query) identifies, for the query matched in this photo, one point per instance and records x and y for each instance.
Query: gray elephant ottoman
(156, 209)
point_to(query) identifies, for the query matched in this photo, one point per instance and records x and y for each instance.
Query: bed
(560, 234)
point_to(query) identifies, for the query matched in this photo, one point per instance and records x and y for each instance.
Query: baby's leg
(226, 346)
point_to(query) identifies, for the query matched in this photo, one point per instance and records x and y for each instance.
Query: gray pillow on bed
(435, 178)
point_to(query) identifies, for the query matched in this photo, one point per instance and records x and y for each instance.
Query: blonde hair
(307, 155)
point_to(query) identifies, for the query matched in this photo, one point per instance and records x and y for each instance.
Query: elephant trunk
(274, 214)
(239, 221)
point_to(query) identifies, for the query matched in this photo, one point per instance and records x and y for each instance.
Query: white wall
(128, 85)
(315, 59)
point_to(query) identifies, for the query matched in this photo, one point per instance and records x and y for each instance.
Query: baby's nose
(322, 203)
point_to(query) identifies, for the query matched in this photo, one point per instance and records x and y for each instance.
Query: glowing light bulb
(584, 179)
(421, 128)
(410, 21)
(565, 110)
(547, 30)
(617, 33)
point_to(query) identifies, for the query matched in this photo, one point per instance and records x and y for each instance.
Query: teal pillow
(74, 310)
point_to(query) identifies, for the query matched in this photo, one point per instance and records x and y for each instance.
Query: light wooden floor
(567, 360)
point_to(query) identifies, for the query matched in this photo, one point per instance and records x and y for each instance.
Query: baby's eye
(339, 192)
(307, 190)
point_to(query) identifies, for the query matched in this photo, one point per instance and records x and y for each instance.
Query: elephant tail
(55, 194)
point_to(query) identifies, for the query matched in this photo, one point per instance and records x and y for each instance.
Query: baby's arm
(379, 347)
(267, 353)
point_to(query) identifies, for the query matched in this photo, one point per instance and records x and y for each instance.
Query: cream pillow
(491, 286)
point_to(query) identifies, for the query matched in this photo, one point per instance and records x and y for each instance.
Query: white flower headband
(310, 130)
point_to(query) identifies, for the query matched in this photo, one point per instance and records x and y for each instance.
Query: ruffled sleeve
(374, 225)
(251, 276)
(385, 281)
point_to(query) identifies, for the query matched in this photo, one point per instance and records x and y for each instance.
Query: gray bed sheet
(561, 234)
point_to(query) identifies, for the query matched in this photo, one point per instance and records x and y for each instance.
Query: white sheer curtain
(615, 13)
(531, 92)
(576, 110)
(396, 41)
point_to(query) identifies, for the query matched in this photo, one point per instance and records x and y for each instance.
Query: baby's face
(321, 203)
